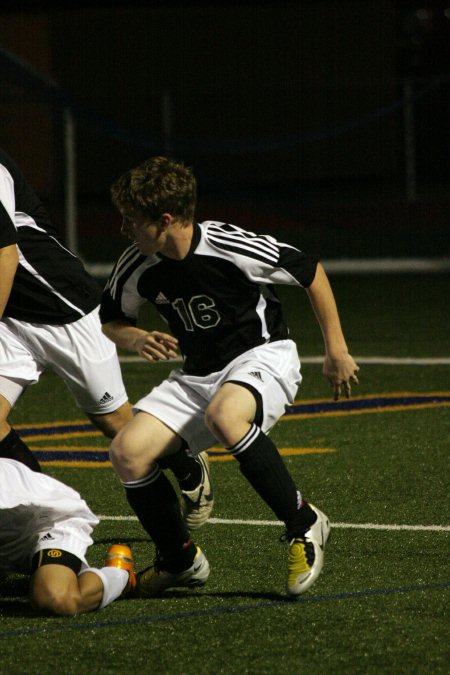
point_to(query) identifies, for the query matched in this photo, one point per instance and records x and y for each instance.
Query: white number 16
(198, 312)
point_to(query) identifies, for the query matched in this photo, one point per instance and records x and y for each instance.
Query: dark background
(291, 113)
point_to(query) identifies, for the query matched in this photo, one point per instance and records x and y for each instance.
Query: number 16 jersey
(218, 301)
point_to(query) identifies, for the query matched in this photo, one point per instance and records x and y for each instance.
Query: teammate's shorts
(78, 352)
(273, 370)
(38, 513)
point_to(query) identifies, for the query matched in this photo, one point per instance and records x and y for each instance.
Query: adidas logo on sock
(106, 398)
(161, 299)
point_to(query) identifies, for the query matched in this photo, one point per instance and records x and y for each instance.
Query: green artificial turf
(380, 603)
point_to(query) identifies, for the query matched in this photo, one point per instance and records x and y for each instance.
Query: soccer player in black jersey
(214, 285)
(49, 318)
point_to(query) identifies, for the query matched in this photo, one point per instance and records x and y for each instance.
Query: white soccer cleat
(196, 505)
(154, 580)
(305, 560)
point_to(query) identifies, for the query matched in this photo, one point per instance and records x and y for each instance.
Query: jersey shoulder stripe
(125, 259)
(130, 259)
(232, 238)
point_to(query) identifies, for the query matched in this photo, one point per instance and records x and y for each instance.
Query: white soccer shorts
(78, 352)
(180, 401)
(38, 512)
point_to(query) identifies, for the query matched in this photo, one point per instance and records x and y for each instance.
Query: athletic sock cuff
(143, 482)
(249, 438)
(114, 581)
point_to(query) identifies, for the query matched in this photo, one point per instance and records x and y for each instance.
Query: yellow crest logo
(54, 553)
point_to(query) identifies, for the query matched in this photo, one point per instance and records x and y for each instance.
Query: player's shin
(156, 505)
(264, 468)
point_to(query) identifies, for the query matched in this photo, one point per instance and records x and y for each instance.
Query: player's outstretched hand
(341, 371)
(157, 346)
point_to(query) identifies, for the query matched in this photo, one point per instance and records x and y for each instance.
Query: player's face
(147, 236)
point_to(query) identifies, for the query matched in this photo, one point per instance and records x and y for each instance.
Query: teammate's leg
(11, 445)
(18, 369)
(231, 413)
(230, 416)
(186, 469)
(191, 473)
(111, 422)
(135, 452)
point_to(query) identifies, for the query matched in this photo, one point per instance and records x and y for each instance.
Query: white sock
(114, 581)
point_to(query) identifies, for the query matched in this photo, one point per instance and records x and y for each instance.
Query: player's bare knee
(128, 461)
(119, 451)
(218, 418)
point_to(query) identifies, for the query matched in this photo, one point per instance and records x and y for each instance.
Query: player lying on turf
(213, 284)
(45, 530)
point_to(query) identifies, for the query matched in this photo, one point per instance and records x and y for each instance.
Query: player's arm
(9, 260)
(9, 255)
(339, 366)
(150, 345)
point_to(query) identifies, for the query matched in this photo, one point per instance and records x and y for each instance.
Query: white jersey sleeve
(262, 258)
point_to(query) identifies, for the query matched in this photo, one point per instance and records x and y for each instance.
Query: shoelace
(289, 536)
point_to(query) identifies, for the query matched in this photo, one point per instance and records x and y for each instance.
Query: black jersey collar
(196, 235)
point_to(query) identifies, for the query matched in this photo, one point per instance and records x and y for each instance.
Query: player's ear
(165, 220)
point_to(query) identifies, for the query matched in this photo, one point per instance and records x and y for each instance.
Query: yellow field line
(285, 418)
(341, 413)
(395, 394)
(58, 423)
(286, 452)
(75, 464)
(71, 448)
(62, 437)
(337, 413)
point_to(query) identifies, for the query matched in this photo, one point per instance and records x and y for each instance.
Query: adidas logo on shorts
(46, 537)
(106, 398)
(256, 374)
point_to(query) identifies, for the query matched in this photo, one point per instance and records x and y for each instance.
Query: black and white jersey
(219, 300)
(51, 285)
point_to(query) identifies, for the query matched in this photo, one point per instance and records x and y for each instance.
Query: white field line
(277, 523)
(341, 266)
(375, 360)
